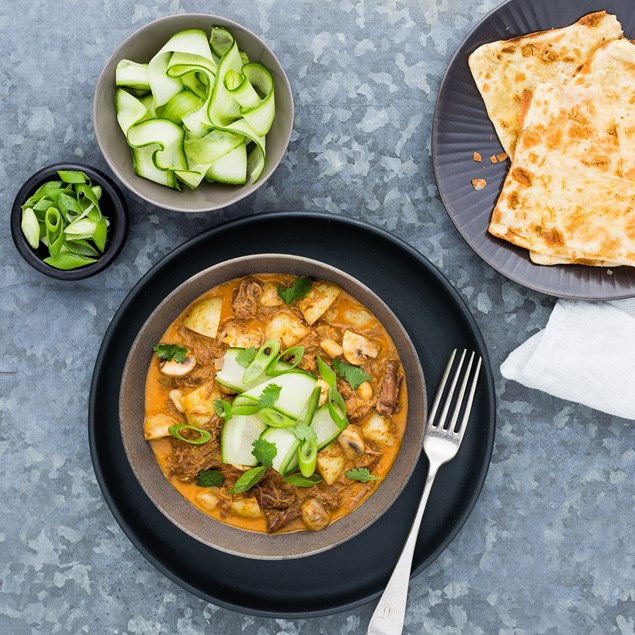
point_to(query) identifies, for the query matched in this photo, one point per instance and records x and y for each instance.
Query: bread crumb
(493, 159)
(501, 156)
(479, 184)
(477, 157)
(609, 272)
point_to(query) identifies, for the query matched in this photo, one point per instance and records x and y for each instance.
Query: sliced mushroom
(358, 349)
(352, 441)
(178, 369)
(176, 397)
(314, 516)
(157, 426)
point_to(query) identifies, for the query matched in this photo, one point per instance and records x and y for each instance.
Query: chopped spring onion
(295, 352)
(265, 356)
(222, 103)
(248, 479)
(204, 435)
(64, 216)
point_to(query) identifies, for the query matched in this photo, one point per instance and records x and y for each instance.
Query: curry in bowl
(275, 403)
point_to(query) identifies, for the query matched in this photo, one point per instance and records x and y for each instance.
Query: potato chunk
(246, 507)
(198, 405)
(270, 295)
(330, 463)
(204, 317)
(378, 430)
(318, 300)
(287, 328)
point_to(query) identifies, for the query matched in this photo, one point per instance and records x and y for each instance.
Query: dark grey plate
(461, 126)
(437, 320)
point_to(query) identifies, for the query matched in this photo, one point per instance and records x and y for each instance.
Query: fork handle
(389, 616)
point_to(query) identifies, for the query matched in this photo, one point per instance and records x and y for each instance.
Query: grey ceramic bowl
(189, 518)
(141, 47)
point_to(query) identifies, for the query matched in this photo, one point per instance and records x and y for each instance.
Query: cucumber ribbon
(206, 115)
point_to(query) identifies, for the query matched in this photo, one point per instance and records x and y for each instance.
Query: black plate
(436, 319)
(461, 126)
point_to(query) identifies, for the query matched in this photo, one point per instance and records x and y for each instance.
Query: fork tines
(452, 397)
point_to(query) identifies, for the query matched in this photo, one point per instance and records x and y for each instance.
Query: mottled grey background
(549, 547)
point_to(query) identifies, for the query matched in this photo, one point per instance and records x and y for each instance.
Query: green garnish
(209, 478)
(335, 403)
(303, 481)
(64, 215)
(223, 408)
(269, 395)
(204, 435)
(170, 352)
(275, 419)
(295, 352)
(354, 375)
(362, 475)
(246, 356)
(264, 451)
(298, 289)
(303, 432)
(248, 479)
(265, 356)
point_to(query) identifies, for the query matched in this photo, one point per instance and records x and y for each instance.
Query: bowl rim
(119, 215)
(129, 181)
(417, 381)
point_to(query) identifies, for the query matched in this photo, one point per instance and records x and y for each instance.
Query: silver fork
(440, 443)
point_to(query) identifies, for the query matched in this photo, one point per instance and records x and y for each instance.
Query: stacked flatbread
(569, 196)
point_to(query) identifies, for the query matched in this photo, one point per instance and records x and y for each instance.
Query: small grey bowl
(208, 530)
(141, 47)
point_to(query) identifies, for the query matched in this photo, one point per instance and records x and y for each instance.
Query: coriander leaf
(269, 395)
(362, 475)
(246, 356)
(303, 432)
(264, 451)
(354, 375)
(209, 478)
(222, 408)
(170, 352)
(299, 480)
(248, 479)
(298, 289)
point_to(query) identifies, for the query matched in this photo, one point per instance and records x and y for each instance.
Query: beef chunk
(188, 460)
(277, 500)
(278, 518)
(388, 399)
(203, 348)
(245, 302)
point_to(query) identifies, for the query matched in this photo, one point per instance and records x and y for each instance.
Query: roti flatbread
(569, 196)
(503, 70)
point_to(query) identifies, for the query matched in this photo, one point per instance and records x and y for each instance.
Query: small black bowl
(112, 204)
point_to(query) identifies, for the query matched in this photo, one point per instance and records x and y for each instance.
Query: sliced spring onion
(274, 418)
(30, 227)
(204, 435)
(307, 456)
(265, 356)
(295, 352)
(64, 216)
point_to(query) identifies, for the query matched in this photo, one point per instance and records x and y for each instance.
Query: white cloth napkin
(585, 354)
